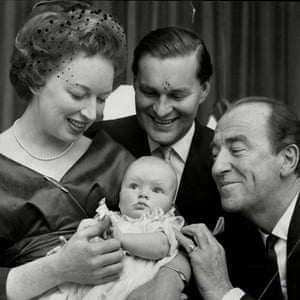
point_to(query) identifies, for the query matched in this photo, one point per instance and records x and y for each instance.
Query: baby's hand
(116, 233)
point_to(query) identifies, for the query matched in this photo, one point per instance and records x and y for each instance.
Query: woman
(51, 176)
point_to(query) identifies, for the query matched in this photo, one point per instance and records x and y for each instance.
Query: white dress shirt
(281, 231)
(180, 151)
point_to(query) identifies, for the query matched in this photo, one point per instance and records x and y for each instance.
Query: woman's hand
(208, 261)
(84, 259)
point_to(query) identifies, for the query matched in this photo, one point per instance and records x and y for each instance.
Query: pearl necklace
(35, 156)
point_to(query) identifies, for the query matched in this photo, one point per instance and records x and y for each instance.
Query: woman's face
(73, 98)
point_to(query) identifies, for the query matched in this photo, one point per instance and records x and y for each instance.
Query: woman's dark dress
(36, 210)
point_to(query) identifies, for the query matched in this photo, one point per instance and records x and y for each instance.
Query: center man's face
(168, 95)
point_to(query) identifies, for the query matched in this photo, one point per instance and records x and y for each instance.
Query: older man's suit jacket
(197, 198)
(245, 254)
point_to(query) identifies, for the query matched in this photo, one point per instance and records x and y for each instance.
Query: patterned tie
(273, 292)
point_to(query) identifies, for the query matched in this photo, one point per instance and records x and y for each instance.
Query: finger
(95, 230)
(197, 231)
(115, 274)
(185, 242)
(112, 258)
(183, 297)
(209, 236)
(106, 246)
(109, 271)
(105, 274)
(86, 223)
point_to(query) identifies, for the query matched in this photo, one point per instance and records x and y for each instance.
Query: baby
(144, 227)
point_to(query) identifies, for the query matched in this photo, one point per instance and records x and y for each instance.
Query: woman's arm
(156, 289)
(78, 261)
(150, 246)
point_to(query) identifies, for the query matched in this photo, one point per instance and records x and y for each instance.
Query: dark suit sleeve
(3, 279)
(247, 297)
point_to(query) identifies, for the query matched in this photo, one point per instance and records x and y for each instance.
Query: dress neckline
(94, 142)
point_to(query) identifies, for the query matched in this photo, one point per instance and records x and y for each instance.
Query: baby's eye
(157, 190)
(133, 186)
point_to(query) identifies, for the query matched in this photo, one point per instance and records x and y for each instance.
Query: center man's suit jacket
(197, 198)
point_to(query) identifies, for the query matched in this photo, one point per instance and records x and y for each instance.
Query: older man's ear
(290, 159)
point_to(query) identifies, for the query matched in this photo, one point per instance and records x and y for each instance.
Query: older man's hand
(208, 261)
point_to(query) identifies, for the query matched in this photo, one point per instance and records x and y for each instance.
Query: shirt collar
(181, 147)
(282, 227)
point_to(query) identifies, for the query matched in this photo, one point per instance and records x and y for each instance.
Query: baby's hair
(153, 159)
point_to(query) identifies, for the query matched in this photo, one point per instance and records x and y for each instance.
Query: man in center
(172, 70)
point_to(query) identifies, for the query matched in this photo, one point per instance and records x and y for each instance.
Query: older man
(256, 168)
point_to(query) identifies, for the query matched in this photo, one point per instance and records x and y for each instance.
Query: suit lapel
(293, 252)
(137, 141)
(128, 133)
(197, 198)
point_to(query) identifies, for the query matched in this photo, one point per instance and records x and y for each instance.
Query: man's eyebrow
(237, 138)
(171, 90)
(146, 87)
(180, 90)
(230, 140)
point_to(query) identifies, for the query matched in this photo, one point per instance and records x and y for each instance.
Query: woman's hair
(58, 31)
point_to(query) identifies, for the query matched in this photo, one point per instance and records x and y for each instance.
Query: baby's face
(148, 183)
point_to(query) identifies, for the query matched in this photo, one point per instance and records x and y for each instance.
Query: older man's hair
(283, 124)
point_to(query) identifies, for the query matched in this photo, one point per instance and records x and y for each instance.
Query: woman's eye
(77, 96)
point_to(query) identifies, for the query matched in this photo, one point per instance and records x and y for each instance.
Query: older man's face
(246, 171)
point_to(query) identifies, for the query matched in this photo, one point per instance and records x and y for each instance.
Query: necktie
(165, 153)
(274, 289)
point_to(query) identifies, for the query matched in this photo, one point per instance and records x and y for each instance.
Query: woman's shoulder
(8, 143)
